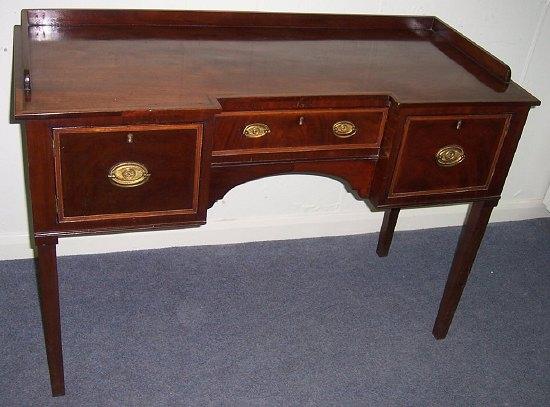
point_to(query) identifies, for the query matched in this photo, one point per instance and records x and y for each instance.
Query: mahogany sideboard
(143, 119)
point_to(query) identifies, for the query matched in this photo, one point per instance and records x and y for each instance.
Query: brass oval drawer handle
(128, 174)
(449, 156)
(344, 129)
(256, 130)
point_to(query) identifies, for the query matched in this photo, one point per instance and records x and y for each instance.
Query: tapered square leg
(465, 254)
(386, 231)
(49, 305)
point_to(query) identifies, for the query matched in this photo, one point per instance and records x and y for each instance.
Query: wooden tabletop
(102, 68)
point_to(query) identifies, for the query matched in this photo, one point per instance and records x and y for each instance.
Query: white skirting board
(18, 246)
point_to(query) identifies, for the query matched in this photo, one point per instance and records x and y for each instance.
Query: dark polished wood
(356, 174)
(468, 245)
(386, 231)
(67, 17)
(49, 305)
(489, 62)
(164, 97)
(479, 136)
(296, 131)
(480, 176)
(170, 154)
(379, 55)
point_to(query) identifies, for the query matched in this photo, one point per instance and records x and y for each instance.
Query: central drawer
(257, 135)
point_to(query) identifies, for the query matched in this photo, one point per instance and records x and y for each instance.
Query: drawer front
(448, 154)
(287, 131)
(127, 171)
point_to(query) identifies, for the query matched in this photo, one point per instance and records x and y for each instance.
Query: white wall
(293, 206)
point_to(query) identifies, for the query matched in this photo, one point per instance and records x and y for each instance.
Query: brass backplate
(128, 174)
(450, 156)
(344, 129)
(256, 130)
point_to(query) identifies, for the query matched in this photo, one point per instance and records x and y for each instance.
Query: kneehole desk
(141, 120)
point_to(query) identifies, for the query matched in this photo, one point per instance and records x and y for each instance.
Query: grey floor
(314, 322)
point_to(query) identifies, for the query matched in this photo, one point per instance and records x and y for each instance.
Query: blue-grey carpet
(313, 322)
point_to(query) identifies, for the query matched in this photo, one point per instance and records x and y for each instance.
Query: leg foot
(386, 232)
(49, 305)
(468, 244)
